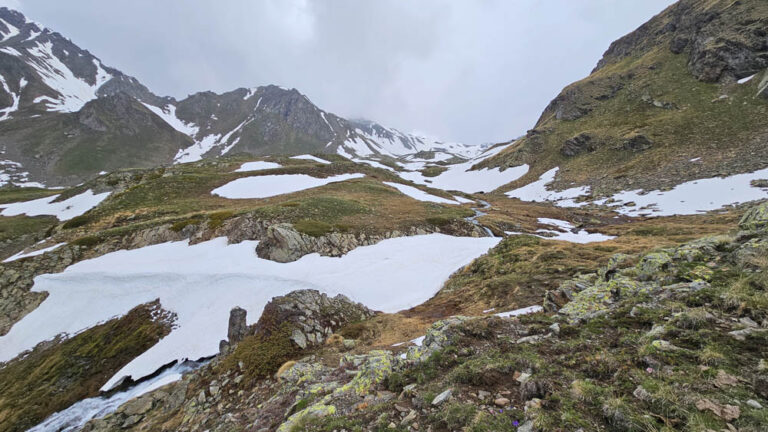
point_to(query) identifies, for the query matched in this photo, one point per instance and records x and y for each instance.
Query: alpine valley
(247, 261)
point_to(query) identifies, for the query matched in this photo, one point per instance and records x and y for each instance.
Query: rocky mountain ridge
(66, 117)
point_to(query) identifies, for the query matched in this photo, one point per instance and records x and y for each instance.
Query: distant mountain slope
(680, 98)
(65, 117)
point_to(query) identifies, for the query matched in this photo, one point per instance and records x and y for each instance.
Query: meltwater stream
(77, 415)
(478, 213)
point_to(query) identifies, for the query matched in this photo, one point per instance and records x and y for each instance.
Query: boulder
(756, 218)
(579, 144)
(637, 143)
(311, 315)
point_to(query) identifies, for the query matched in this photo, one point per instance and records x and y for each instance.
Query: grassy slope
(727, 133)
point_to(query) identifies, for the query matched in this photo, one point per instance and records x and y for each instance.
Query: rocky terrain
(676, 338)
(246, 261)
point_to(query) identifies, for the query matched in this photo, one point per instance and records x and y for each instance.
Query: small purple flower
(515, 423)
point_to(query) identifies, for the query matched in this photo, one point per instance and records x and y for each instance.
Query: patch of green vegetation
(180, 225)
(263, 354)
(216, 219)
(14, 227)
(54, 376)
(312, 228)
(86, 241)
(433, 171)
(77, 222)
(19, 194)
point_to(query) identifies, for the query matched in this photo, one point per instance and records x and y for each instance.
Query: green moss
(263, 354)
(14, 227)
(215, 220)
(312, 228)
(86, 241)
(180, 225)
(433, 171)
(77, 222)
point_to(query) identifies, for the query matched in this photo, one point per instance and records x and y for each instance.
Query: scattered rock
(642, 394)
(724, 379)
(727, 412)
(442, 397)
(501, 402)
(754, 404)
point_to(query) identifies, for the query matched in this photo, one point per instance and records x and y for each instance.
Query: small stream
(479, 213)
(78, 414)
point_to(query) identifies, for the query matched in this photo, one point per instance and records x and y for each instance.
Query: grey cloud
(471, 71)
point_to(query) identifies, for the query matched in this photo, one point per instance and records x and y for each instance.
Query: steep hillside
(683, 97)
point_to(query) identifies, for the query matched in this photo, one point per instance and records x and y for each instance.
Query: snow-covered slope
(201, 283)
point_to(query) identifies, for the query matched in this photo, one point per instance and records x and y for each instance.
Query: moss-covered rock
(755, 218)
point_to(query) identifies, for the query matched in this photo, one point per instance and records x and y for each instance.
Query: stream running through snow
(479, 213)
(78, 414)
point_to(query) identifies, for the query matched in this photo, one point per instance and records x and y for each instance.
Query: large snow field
(272, 185)
(64, 210)
(692, 197)
(202, 283)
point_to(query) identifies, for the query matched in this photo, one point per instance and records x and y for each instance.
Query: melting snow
(22, 254)
(74, 91)
(312, 158)
(63, 210)
(201, 283)
(5, 113)
(691, 197)
(272, 185)
(518, 312)
(565, 233)
(257, 165)
(419, 194)
(196, 151)
(537, 191)
(744, 80)
(168, 113)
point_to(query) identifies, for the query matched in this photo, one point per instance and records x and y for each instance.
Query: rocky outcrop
(755, 218)
(283, 243)
(312, 316)
(581, 143)
(725, 40)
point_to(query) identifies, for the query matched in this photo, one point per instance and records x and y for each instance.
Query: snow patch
(537, 191)
(257, 165)
(273, 185)
(63, 210)
(518, 312)
(691, 197)
(419, 194)
(168, 114)
(312, 158)
(22, 254)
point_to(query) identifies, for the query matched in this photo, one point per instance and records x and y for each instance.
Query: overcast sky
(471, 71)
